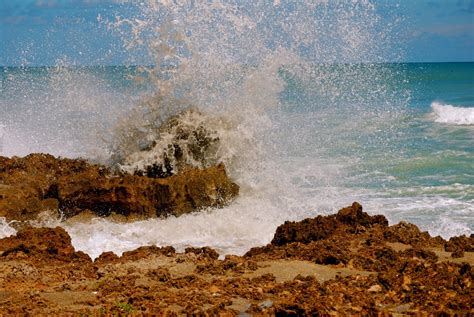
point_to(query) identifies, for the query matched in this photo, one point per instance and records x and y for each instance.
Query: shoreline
(346, 263)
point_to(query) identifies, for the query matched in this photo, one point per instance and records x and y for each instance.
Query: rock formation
(350, 263)
(40, 182)
(160, 149)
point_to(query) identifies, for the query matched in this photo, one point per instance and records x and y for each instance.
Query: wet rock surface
(40, 182)
(350, 263)
(167, 147)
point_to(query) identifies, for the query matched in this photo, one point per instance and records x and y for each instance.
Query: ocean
(411, 161)
(309, 115)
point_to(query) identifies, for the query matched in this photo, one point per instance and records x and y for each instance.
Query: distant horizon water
(153, 65)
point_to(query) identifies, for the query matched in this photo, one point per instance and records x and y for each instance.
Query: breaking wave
(284, 94)
(449, 114)
(232, 64)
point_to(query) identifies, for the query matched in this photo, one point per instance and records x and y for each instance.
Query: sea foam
(5, 229)
(445, 113)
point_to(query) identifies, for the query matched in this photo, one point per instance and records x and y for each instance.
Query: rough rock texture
(38, 240)
(164, 148)
(322, 227)
(40, 182)
(358, 266)
(462, 243)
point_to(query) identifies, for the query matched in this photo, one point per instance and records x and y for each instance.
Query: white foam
(11, 144)
(232, 230)
(445, 113)
(229, 61)
(61, 111)
(5, 229)
(438, 214)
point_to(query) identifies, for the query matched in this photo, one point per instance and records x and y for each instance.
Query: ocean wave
(452, 115)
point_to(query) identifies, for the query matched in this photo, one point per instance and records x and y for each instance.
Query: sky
(51, 32)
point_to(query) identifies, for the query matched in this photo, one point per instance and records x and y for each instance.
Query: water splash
(59, 110)
(233, 61)
(2, 135)
(6, 229)
(452, 115)
(237, 64)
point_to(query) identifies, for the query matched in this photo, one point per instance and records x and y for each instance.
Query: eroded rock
(161, 149)
(43, 275)
(40, 182)
(322, 227)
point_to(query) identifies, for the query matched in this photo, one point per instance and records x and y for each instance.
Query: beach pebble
(375, 288)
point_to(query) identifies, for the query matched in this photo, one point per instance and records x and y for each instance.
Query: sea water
(304, 132)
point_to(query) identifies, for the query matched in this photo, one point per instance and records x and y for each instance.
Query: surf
(449, 114)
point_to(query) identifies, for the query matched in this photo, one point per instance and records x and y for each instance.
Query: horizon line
(152, 65)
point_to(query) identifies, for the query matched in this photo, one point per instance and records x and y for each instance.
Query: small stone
(406, 280)
(458, 253)
(375, 288)
(356, 308)
(266, 304)
(214, 289)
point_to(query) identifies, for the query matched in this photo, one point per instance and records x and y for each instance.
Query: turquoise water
(399, 138)
(408, 154)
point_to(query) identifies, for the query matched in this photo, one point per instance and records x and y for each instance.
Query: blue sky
(43, 32)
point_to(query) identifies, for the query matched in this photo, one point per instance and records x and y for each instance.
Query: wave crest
(445, 113)
(186, 139)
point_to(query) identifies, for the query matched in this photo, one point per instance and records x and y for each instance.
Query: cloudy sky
(45, 32)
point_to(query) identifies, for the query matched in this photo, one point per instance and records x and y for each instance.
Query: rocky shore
(349, 263)
(65, 188)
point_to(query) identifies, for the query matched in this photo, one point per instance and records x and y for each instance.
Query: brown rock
(407, 233)
(106, 258)
(461, 243)
(40, 182)
(42, 275)
(323, 227)
(354, 216)
(43, 240)
(458, 253)
(143, 252)
(205, 252)
(305, 231)
(131, 194)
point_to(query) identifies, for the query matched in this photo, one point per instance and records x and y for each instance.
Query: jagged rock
(204, 251)
(351, 237)
(406, 233)
(149, 197)
(106, 257)
(41, 274)
(354, 216)
(459, 244)
(44, 246)
(42, 240)
(322, 227)
(41, 182)
(305, 231)
(188, 139)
